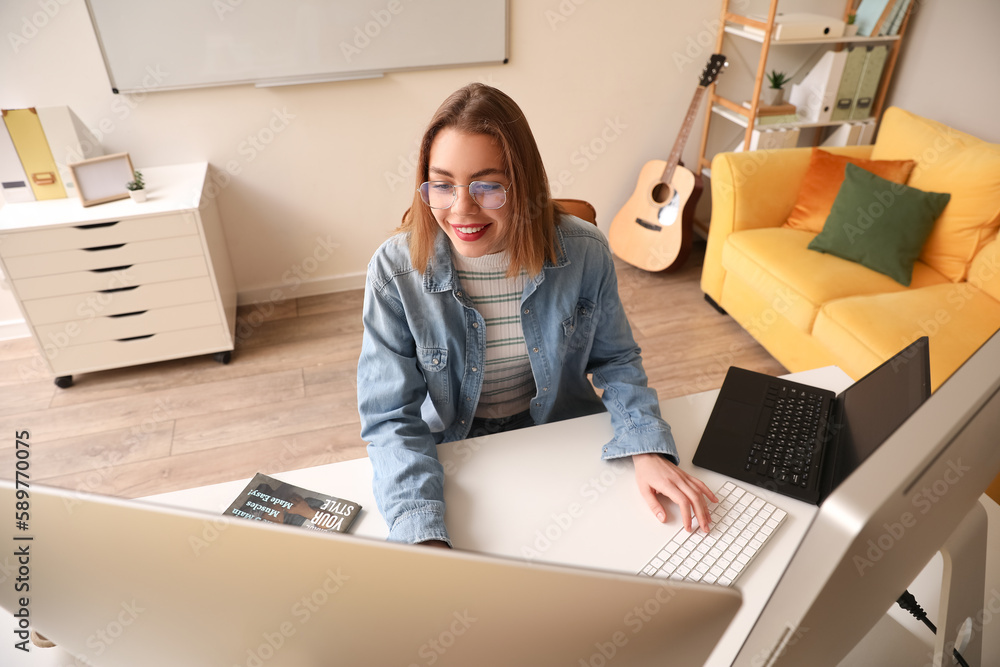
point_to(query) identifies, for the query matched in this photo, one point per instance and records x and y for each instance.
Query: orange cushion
(822, 182)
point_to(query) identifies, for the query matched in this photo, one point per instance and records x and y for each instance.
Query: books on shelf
(778, 120)
(868, 15)
(882, 18)
(772, 109)
(269, 499)
(768, 114)
(897, 17)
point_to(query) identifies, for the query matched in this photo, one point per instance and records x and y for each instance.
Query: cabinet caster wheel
(223, 357)
(64, 381)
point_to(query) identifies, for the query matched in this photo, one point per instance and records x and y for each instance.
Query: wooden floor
(288, 399)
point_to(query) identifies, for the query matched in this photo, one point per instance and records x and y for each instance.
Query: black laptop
(802, 441)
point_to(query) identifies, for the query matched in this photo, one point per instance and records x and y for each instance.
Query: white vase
(137, 195)
(774, 96)
(850, 30)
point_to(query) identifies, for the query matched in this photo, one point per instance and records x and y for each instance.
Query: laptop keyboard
(742, 523)
(785, 442)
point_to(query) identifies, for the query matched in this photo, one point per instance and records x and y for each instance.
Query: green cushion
(879, 224)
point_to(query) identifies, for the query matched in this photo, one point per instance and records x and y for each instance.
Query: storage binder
(814, 98)
(13, 181)
(33, 150)
(799, 26)
(871, 74)
(848, 88)
(867, 133)
(69, 140)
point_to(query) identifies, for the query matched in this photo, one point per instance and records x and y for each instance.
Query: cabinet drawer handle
(117, 289)
(44, 178)
(113, 268)
(105, 247)
(98, 225)
(133, 314)
(125, 340)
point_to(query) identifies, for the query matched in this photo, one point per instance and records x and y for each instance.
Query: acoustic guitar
(653, 229)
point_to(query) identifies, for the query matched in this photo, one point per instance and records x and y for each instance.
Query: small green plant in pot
(137, 187)
(851, 29)
(775, 94)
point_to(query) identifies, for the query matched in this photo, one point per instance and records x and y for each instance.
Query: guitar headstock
(711, 72)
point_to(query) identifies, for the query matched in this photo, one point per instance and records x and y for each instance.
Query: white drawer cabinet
(123, 283)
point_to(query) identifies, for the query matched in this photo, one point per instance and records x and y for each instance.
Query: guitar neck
(682, 136)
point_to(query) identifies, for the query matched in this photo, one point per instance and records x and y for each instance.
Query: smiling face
(459, 158)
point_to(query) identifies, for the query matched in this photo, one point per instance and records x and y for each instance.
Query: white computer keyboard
(742, 522)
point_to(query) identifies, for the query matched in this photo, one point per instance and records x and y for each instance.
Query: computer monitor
(120, 583)
(884, 523)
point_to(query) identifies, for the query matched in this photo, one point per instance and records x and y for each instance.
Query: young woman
(486, 313)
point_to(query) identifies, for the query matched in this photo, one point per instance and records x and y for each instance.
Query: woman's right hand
(435, 543)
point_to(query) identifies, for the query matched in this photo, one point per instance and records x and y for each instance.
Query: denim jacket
(421, 366)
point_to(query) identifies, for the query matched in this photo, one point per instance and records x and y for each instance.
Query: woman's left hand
(656, 474)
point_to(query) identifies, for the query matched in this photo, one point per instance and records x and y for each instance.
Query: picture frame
(102, 179)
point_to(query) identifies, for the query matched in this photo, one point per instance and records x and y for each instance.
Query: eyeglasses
(441, 194)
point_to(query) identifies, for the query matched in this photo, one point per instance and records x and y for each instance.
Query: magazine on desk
(269, 499)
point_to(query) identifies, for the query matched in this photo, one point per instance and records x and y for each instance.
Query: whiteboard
(157, 45)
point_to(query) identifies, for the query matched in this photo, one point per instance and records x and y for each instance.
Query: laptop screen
(877, 404)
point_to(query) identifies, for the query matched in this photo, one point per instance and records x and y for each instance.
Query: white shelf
(743, 121)
(739, 31)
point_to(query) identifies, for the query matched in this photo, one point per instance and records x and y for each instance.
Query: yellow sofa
(811, 309)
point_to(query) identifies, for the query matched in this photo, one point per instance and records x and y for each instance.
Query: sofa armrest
(751, 190)
(984, 272)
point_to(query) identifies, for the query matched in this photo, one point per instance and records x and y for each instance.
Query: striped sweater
(508, 384)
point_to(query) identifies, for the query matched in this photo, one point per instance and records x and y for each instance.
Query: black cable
(910, 604)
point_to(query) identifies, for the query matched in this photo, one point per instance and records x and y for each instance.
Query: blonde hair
(481, 109)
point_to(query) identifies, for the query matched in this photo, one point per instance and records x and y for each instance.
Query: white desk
(550, 498)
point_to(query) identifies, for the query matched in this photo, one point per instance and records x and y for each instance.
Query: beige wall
(604, 84)
(949, 65)
(601, 96)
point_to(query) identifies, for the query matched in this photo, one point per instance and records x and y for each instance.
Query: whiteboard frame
(265, 81)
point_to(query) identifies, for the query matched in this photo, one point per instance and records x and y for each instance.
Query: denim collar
(440, 273)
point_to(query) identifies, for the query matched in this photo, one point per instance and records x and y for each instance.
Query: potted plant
(851, 29)
(775, 94)
(137, 187)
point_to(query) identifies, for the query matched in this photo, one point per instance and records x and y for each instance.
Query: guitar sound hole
(661, 193)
